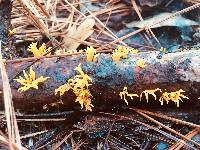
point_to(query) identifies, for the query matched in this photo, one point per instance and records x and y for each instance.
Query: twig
(61, 142)
(150, 127)
(42, 9)
(167, 128)
(33, 134)
(167, 117)
(50, 56)
(148, 30)
(178, 145)
(42, 120)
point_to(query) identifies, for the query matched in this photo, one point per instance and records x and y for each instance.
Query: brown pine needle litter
(13, 131)
(167, 128)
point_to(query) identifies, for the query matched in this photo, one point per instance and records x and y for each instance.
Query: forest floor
(143, 50)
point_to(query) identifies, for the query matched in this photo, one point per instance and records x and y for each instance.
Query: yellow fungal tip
(30, 81)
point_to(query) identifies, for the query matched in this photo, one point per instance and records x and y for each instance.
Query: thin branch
(167, 118)
(167, 128)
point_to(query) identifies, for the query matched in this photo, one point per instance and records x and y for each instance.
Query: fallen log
(172, 72)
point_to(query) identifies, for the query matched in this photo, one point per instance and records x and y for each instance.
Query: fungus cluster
(175, 97)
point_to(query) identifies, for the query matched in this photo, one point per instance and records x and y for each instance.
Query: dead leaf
(76, 35)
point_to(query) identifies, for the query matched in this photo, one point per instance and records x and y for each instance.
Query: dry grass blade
(167, 128)
(13, 131)
(168, 118)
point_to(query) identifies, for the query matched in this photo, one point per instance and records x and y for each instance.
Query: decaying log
(172, 72)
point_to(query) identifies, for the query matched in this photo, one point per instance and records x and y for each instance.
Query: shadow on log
(172, 72)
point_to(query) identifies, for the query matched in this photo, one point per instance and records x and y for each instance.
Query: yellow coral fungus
(84, 99)
(149, 92)
(91, 54)
(176, 97)
(30, 81)
(116, 56)
(38, 52)
(122, 52)
(125, 93)
(162, 49)
(62, 89)
(133, 51)
(80, 81)
(141, 63)
(54, 104)
(12, 32)
(79, 84)
(61, 51)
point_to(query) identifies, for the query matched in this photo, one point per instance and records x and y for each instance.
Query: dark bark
(172, 72)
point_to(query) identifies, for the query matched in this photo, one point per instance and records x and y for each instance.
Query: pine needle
(13, 131)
